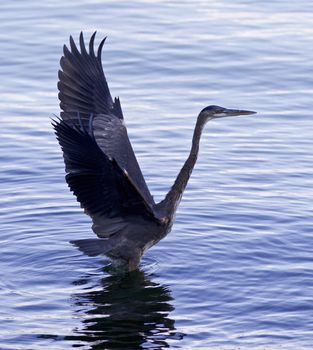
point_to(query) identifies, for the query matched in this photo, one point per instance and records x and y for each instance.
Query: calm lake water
(236, 272)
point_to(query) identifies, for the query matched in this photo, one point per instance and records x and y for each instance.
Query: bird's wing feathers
(83, 90)
(101, 186)
(111, 136)
(82, 84)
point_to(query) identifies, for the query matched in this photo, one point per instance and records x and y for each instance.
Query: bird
(101, 168)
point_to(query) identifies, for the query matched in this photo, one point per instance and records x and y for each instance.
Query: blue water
(236, 272)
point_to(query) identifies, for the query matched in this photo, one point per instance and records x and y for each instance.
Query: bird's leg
(133, 263)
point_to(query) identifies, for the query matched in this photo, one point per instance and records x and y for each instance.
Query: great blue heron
(102, 170)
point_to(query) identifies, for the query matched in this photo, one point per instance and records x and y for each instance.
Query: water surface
(237, 269)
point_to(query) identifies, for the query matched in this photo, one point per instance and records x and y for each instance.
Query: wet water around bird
(236, 272)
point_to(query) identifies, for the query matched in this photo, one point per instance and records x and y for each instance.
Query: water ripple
(237, 270)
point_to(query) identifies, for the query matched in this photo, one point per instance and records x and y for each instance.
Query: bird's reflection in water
(128, 312)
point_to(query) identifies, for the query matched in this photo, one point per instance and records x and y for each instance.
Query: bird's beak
(232, 113)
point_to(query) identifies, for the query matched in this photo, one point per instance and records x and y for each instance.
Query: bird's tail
(94, 247)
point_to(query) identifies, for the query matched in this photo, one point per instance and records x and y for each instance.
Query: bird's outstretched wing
(102, 187)
(83, 89)
(82, 83)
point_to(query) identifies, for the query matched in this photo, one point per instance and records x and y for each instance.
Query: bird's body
(102, 170)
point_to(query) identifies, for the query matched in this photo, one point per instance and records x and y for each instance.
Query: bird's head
(214, 112)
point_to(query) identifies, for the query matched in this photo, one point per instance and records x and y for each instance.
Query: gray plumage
(102, 170)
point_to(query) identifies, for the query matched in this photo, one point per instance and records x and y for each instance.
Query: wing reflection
(128, 312)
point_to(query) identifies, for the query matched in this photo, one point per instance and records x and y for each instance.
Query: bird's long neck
(173, 197)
